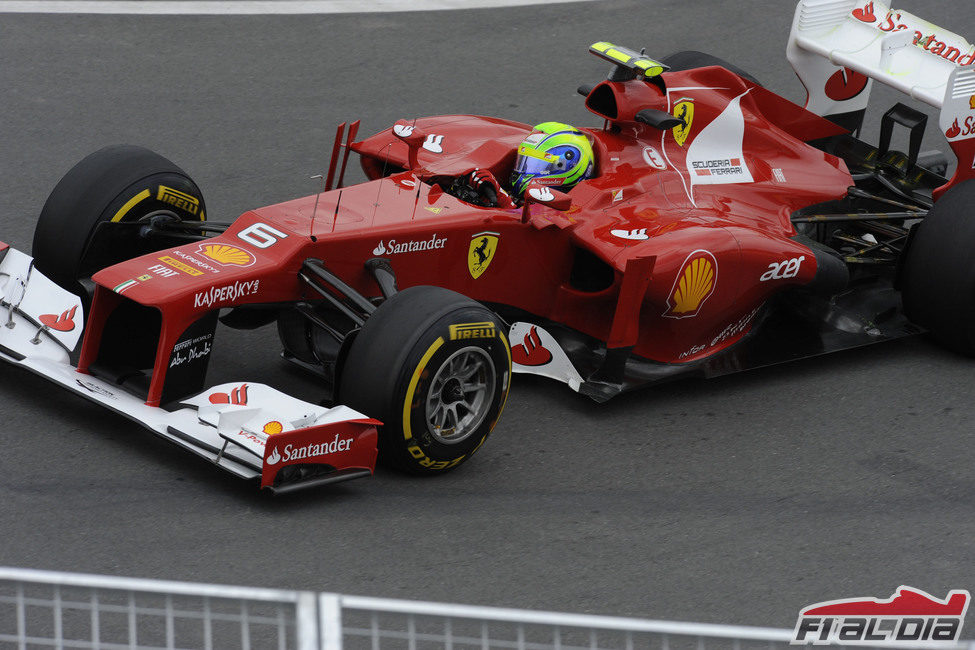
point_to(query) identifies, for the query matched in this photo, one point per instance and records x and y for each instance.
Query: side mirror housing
(413, 138)
(538, 193)
(659, 119)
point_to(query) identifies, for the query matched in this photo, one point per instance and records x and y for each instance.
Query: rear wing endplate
(839, 47)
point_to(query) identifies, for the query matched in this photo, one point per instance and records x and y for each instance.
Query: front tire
(435, 367)
(121, 183)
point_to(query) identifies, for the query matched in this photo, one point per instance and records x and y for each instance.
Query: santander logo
(846, 84)
(532, 352)
(542, 194)
(293, 453)
(59, 323)
(865, 14)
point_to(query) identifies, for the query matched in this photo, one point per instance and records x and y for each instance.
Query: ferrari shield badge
(481, 252)
(683, 110)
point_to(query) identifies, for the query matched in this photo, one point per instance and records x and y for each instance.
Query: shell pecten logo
(273, 427)
(227, 255)
(694, 284)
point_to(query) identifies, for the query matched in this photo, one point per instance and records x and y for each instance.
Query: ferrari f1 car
(724, 228)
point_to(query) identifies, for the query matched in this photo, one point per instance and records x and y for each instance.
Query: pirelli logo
(176, 264)
(178, 199)
(461, 331)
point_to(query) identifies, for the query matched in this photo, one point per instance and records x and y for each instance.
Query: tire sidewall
(121, 183)
(938, 273)
(436, 345)
(394, 357)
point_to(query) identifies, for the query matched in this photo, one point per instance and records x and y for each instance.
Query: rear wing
(839, 47)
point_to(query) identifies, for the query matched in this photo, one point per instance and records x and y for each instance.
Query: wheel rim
(460, 395)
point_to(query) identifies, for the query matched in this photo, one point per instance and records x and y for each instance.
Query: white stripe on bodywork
(722, 139)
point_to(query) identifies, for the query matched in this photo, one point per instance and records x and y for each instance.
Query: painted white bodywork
(199, 425)
(558, 367)
(826, 37)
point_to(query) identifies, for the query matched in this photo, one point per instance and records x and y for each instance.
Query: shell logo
(226, 255)
(694, 285)
(273, 427)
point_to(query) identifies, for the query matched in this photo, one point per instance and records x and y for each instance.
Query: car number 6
(261, 235)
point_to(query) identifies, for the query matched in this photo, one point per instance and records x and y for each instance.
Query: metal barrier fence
(45, 609)
(373, 623)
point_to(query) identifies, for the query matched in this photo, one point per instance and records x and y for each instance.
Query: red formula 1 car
(724, 228)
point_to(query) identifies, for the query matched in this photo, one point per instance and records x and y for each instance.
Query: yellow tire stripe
(507, 351)
(131, 203)
(408, 402)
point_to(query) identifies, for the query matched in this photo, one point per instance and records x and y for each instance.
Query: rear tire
(121, 183)
(435, 367)
(938, 271)
(690, 59)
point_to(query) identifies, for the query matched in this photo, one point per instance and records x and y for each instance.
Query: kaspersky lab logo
(909, 616)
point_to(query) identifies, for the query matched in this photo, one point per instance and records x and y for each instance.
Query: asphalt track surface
(735, 500)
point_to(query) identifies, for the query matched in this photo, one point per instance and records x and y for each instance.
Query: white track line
(247, 7)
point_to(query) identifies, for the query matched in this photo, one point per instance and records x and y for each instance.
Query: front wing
(248, 429)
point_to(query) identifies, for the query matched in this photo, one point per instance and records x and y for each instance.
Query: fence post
(306, 621)
(330, 616)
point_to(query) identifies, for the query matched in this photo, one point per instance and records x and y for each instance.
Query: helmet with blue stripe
(555, 154)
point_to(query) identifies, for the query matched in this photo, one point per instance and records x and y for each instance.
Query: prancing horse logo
(683, 110)
(481, 252)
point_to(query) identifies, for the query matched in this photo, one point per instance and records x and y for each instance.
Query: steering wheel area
(461, 188)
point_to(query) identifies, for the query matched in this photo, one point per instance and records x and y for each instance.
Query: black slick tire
(690, 59)
(408, 367)
(120, 183)
(938, 271)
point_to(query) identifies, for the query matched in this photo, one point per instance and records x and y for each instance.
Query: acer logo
(783, 270)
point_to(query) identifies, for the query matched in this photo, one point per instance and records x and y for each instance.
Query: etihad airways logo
(231, 292)
(293, 453)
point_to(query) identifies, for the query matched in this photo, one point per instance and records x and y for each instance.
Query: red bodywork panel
(348, 445)
(694, 223)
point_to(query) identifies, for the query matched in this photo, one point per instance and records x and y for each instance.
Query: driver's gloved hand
(487, 186)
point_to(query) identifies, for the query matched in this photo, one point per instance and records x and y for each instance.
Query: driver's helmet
(555, 154)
